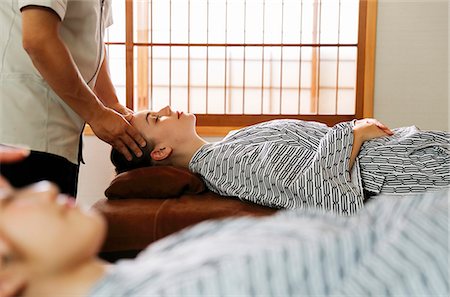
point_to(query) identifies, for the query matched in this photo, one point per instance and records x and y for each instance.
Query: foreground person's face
(46, 228)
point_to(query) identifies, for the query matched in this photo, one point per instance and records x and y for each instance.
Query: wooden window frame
(218, 125)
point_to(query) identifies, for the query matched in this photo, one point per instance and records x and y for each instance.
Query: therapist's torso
(31, 113)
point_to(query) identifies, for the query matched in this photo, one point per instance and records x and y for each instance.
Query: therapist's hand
(113, 128)
(123, 110)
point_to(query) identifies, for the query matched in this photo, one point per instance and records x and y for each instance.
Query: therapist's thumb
(129, 117)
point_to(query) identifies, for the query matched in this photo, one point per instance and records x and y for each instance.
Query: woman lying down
(295, 164)
(392, 247)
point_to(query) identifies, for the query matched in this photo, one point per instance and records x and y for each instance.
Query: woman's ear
(161, 153)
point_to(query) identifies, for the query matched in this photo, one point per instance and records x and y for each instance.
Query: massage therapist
(53, 79)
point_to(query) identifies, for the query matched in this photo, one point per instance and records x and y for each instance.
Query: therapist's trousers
(39, 166)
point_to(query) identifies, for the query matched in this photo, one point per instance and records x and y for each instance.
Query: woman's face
(165, 126)
(46, 229)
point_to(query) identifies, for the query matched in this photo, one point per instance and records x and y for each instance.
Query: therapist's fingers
(131, 144)
(123, 110)
(131, 141)
(122, 148)
(136, 136)
(129, 117)
(114, 129)
(124, 144)
(12, 154)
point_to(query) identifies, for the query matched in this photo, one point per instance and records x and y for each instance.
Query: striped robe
(393, 247)
(293, 164)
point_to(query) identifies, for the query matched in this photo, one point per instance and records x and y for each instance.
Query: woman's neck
(182, 156)
(76, 281)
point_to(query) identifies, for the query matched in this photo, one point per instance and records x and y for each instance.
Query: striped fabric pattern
(409, 161)
(295, 164)
(393, 247)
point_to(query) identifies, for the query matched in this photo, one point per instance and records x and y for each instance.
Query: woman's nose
(166, 111)
(44, 190)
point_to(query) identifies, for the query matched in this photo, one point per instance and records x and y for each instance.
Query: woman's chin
(191, 116)
(98, 233)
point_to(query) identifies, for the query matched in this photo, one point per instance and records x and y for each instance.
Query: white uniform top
(31, 114)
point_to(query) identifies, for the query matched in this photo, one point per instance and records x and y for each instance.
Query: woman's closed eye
(154, 117)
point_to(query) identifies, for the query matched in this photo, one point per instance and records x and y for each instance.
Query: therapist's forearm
(56, 66)
(104, 87)
(53, 60)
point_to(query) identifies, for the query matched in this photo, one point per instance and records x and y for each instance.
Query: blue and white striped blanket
(393, 247)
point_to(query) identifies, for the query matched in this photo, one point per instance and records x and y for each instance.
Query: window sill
(201, 130)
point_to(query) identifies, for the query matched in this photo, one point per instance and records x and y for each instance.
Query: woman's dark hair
(122, 164)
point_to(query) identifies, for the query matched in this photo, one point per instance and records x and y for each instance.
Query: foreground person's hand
(10, 154)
